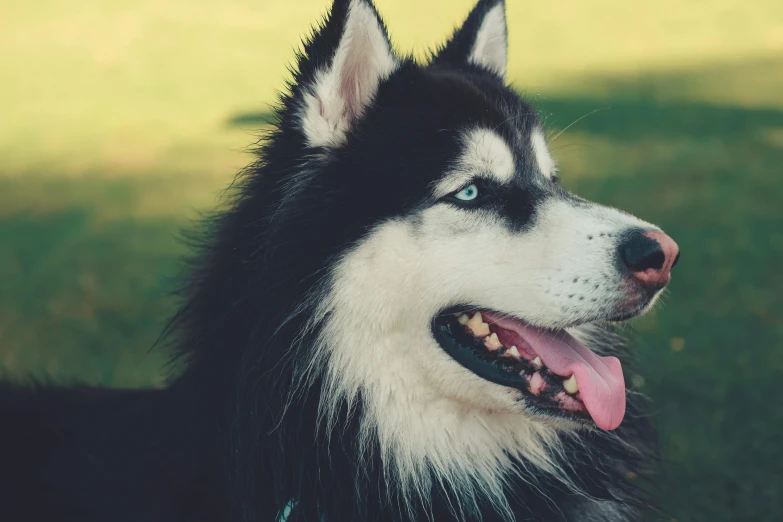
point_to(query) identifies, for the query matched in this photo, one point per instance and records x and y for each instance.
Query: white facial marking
(431, 416)
(340, 93)
(484, 153)
(490, 47)
(541, 152)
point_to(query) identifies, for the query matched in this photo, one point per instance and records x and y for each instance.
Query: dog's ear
(343, 64)
(482, 40)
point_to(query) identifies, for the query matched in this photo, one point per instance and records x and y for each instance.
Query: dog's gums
(549, 367)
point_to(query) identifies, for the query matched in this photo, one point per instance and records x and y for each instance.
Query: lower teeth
(570, 385)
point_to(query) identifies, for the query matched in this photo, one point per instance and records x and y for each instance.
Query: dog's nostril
(640, 253)
(676, 260)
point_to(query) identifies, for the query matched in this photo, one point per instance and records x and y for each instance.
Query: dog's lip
(625, 316)
(600, 379)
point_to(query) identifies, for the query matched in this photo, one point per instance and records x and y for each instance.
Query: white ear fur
(490, 48)
(341, 92)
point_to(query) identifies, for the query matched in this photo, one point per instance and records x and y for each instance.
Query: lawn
(123, 119)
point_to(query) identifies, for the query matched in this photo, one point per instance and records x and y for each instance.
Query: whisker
(578, 120)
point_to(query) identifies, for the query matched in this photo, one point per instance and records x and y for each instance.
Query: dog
(403, 316)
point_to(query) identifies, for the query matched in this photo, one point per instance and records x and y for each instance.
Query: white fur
(541, 152)
(484, 153)
(427, 412)
(490, 49)
(434, 419)
(341, 93)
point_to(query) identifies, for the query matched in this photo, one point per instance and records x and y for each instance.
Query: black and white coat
(312, 389)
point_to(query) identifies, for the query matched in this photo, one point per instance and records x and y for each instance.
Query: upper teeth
(480, 329)
(492, 342)
(570, 385)
(478, 326)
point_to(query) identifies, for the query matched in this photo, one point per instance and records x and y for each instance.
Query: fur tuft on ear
(482, 40)
(341, 89)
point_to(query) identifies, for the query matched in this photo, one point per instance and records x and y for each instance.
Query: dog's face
(458, 312)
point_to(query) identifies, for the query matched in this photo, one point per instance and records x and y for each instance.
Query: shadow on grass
(643, 119)
(84, 298)
(251, 119)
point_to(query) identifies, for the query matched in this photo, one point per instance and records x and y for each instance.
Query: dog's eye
(468, 193)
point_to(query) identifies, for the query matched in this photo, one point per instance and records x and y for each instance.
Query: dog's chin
(634, 307)
(557, 376)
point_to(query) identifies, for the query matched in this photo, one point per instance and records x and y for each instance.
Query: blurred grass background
(121, 119)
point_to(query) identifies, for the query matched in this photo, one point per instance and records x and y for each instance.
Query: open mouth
(558, 375)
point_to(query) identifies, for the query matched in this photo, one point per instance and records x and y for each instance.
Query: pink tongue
(600, 379)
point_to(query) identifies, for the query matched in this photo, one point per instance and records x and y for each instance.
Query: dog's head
(461, 277)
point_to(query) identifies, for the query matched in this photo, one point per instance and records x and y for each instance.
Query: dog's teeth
(570, 385)
(463, 319)
(478, 326)
(537, 362)
(537, 384)
(513, 352)
(475, 321)
(492, 342)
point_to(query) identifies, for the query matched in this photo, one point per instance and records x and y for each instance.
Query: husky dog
(398, 319)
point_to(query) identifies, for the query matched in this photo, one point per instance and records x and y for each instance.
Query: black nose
(650, 256)
(640, 252)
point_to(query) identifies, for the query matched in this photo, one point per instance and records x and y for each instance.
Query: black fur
(218, 443)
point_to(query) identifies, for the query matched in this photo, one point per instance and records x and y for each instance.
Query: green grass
(123, 119)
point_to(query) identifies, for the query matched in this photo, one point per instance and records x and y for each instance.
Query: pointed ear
(482, 40)
(348, 58)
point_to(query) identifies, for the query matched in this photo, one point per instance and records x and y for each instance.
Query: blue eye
(469, 193)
